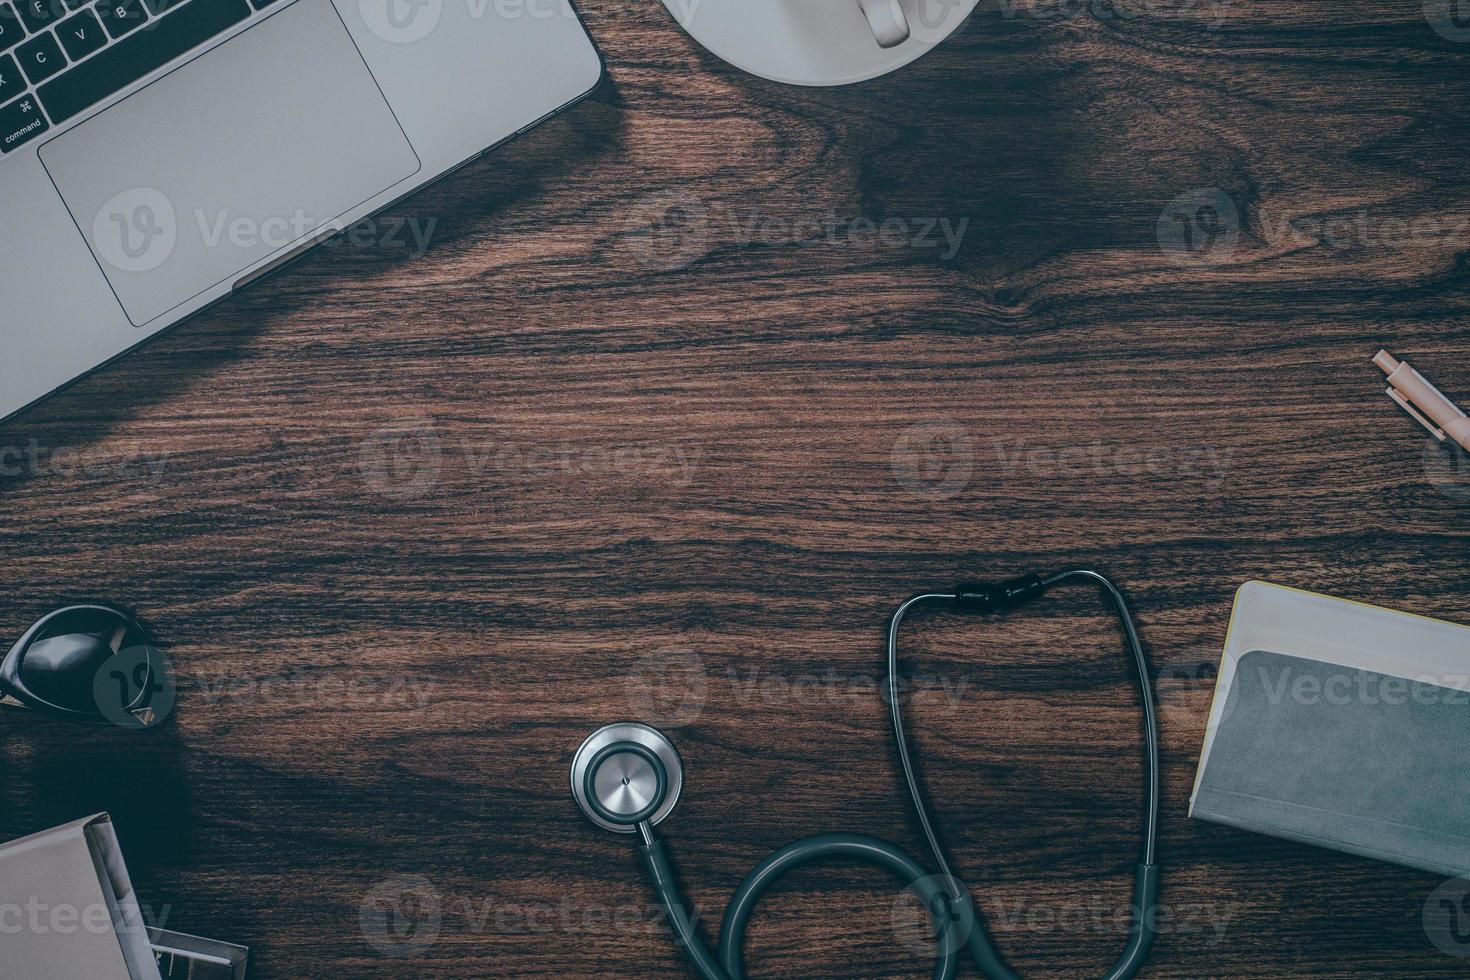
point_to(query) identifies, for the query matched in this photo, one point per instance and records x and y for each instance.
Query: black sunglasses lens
(62, 663)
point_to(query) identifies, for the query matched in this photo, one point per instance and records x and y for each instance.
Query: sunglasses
(91, 664)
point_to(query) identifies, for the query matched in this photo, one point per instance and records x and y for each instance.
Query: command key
(20, 122)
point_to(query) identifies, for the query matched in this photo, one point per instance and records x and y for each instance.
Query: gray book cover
(1349, 732)
(70, 907)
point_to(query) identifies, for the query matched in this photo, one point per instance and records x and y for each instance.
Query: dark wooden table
(687, 390)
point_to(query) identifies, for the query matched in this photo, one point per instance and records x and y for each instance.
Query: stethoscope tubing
(950, 904)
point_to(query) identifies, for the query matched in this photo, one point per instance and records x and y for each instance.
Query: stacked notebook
(70, 913)
(1342, 725)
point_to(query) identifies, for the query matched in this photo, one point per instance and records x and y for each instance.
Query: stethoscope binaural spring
(627, 779)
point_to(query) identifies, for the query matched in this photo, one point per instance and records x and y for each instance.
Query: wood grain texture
(662, 425)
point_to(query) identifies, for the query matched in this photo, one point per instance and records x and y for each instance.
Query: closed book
(67, 908)
(1341, 725)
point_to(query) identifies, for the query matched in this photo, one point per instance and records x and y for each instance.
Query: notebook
(69, 893)
(1342, 725)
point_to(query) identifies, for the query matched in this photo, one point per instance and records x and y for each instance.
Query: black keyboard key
(10, 30)
(81, 35)
(40, 57)
(188, 26)
(76, 4)
(122, 16)
(159, 7)
(41, 14)
(262, 4)
(11, 84)
(20, 122)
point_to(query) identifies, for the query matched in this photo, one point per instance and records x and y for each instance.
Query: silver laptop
(156, 155)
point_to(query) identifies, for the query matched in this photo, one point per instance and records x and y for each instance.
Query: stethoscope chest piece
(626, 774)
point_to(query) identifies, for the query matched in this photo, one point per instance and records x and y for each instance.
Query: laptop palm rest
(231, 159)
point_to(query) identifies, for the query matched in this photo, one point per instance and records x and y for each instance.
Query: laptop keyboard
(58, 57)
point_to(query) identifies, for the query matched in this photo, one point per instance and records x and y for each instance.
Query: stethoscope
(627, 779)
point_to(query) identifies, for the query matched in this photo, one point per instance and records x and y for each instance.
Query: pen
(1419, 398)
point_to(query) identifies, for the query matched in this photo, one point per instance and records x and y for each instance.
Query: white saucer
(813, 42)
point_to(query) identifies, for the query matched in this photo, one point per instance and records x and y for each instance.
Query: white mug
(889, 23)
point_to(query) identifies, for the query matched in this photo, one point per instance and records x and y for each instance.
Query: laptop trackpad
(231, 158)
